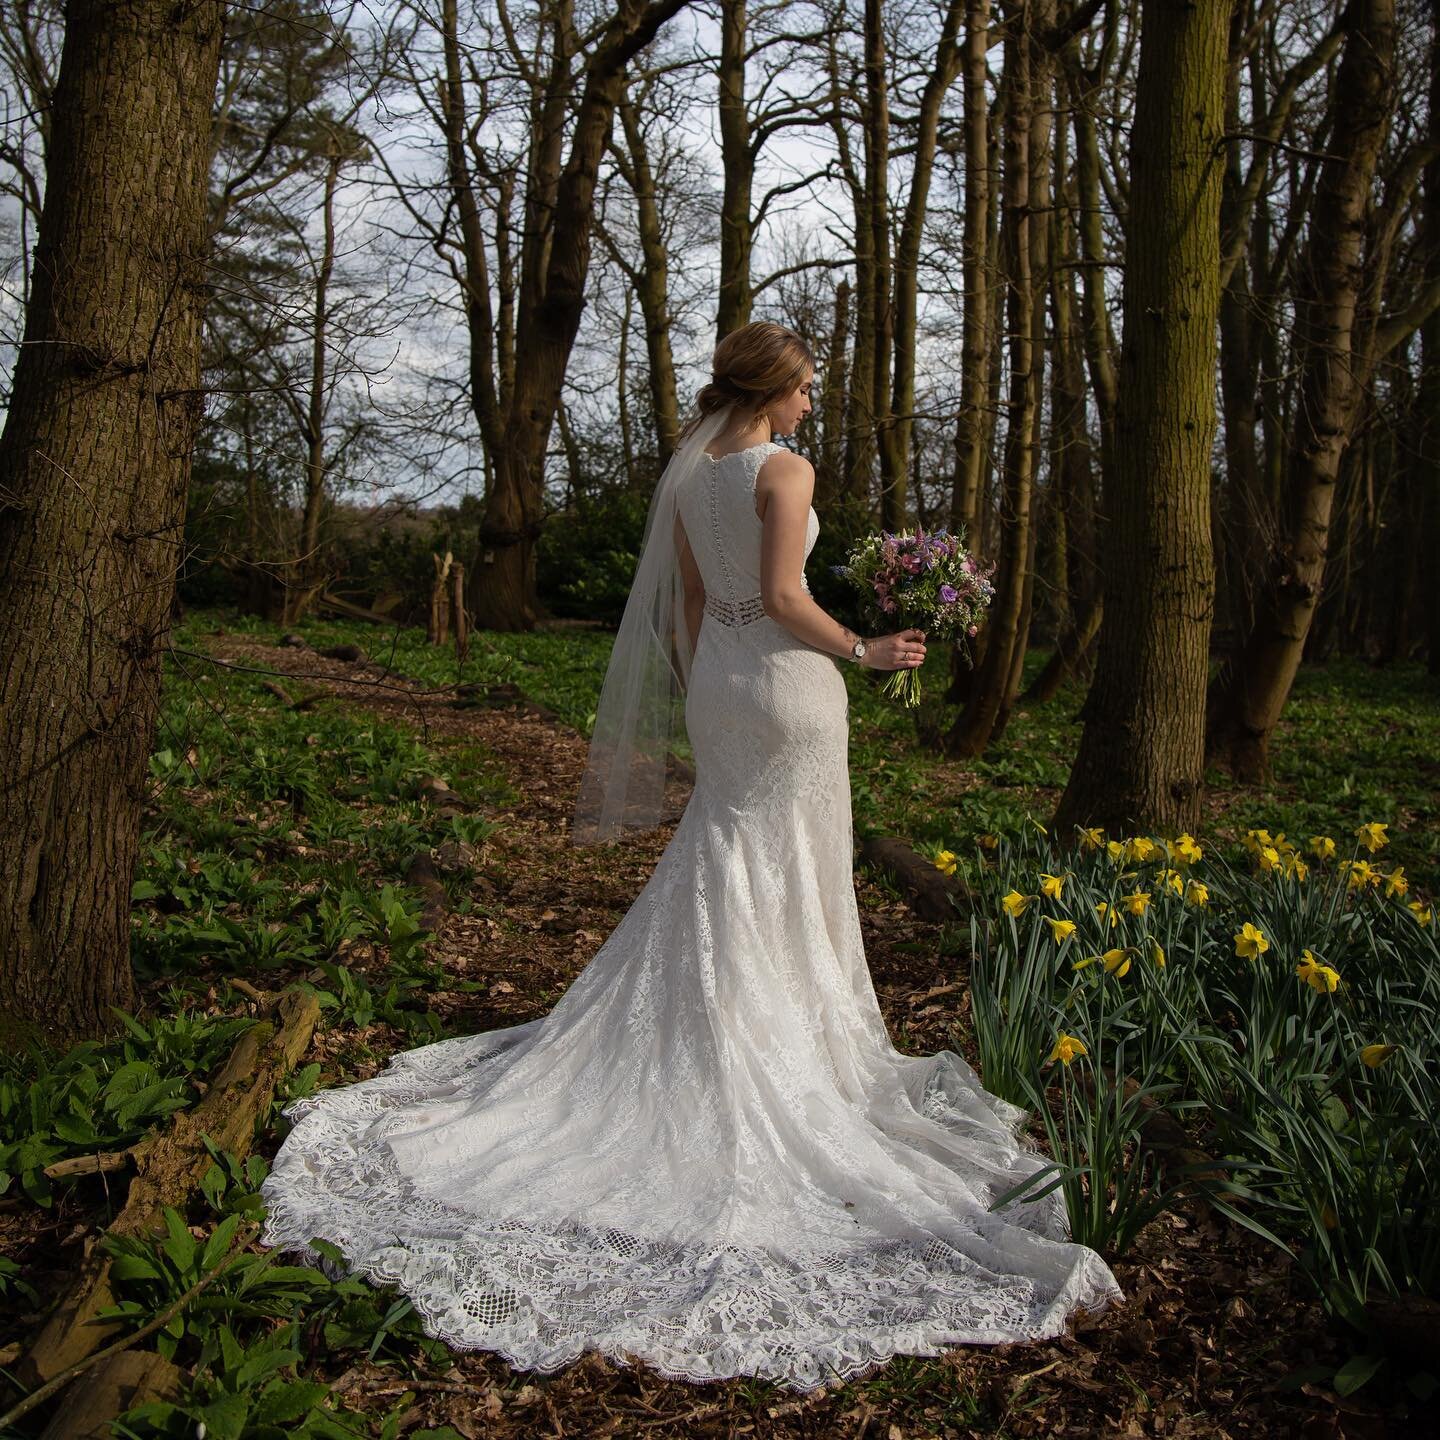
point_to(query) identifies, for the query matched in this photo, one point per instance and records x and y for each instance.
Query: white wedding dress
(708, 1156)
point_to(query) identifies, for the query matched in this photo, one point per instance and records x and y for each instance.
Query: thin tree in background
(94, 476)
(1141, 757)
(1248, 699)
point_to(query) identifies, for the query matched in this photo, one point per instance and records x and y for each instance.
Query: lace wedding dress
(708, 1156)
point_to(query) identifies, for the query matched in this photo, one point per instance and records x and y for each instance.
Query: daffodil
(1060, 930)
(1320, 978)
(1115, 850)
(1256, 840)
(1197, 894)
(1173, 878)
(987, 841)
(1268, 858)
(1395, 881)
(1092, 838)
(1375, 1056)
(1422, 912)
(1117, 963)
(1322, 847)
(1250, 942)
(1361, 874)
(945, 862)
(1372, 836)
(1328, 1218)
(1050, 886)
(1185, 851)
(1067, 1048)
(1137, 901)
(1107, 912)
(1015, 904)
(1139, 848)
(1157, 953)
(1295, 867)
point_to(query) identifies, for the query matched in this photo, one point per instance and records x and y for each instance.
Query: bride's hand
(903, 650)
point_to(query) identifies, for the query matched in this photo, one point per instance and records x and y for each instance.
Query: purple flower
(949, 594)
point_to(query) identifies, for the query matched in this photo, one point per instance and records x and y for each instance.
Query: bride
(708, 1157)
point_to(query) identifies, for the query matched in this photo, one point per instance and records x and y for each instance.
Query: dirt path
(1212, 1321)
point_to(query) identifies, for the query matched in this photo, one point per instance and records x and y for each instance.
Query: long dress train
(708, 1156)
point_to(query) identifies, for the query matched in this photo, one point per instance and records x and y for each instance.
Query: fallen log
(929, 892)
(112, 1386)
(276, 689)
(170, 1166)
(326, 601)
(351, 654)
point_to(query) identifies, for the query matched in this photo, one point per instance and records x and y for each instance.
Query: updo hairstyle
(753, 367)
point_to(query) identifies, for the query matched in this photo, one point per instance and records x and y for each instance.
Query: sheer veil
(642, 702)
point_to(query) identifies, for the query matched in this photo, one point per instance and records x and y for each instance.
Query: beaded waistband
(740, 612)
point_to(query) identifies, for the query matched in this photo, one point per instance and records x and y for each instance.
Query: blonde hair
(753, 367)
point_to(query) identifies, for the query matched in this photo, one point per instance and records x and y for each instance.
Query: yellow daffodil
(1092, 838)
(1067, 1048)
(1107, 912)
(1137, 901)
(1060, 930)
(1173, 878)
(1320, 978)
(1185, 851)
(1116, 962)
(1250, 942)
(945, 862)
(1050, 886)
(1015, 904)
(1196, 893)
(1281, 844)
(1422, 912)
(1140, 848)
(1115, 850)
(1295, 868)
(1395, 881)
(1268, 858)
(1256, 840)
(1157, 953)
(1375, 1056)
(1361, 874)
(1322, 847)
(1328, 1218)
(987, 841)
(1372, 836)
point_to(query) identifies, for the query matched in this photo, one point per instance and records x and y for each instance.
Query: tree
(94, 471)
(1141, 757)
(1247, 701)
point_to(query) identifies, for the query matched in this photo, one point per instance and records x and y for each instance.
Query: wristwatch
(857, 651)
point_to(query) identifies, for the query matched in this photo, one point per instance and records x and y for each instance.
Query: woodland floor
(1217, 1336)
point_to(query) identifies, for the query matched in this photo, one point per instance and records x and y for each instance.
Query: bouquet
(930, 582)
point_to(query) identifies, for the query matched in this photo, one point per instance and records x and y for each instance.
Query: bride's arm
(782, 498)
(694, 585)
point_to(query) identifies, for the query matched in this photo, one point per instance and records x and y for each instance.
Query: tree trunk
(653, 289)
(1141, 758)
(973, 425)
(897, 436)
(1429, 390)
(738, 173)
(877, 221)
(552, 296)
(94, 474)
(833, 394)
(1247, 703)
(1025, 201)
(307, 570)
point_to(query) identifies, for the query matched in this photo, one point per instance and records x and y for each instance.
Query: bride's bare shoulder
(783, 470)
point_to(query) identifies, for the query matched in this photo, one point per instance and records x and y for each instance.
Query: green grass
(1356, 744)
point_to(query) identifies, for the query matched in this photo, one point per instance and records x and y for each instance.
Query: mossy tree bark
(1141, 756)
(94, 473)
